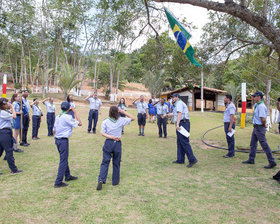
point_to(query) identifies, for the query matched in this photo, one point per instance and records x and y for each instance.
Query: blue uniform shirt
(114, 128)
(63, 125)
(26, 103)
(36, 110)
(141, 107)
(180, 106)
(50, 107)
(6, 119)
(16, 106)
(94, 103)
(230, 109)
(259, 112)
(162, 109)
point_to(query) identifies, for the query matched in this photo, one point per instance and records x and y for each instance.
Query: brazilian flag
(182, 37)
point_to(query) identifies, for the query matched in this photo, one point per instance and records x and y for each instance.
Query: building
(213, 98)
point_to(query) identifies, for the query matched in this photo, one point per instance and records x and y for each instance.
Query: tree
(253, 13)
(67, 79)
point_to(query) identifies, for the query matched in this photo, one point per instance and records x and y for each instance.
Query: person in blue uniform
(15, 101)
(50, 114)
(62, 131)
(259, 131)
(142, 109)
(36, 118)
(25, 118)
(72, 105)
(95, 109)
(7, 114)
(162, 116)
(229, 124)
(122, 106)
(181, 118)
(152, 111)
(111, 129)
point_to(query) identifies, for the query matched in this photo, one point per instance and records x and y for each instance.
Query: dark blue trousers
(259, 135)
(93, 115)
(183, 145)
(161, 122)
(111, 149)
(141, 119)
(63, 149)
(35, 125)
(230, 140)
(50, 123)
(6, 144)
(25, 124)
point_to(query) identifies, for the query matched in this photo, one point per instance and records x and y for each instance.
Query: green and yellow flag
(182, 37)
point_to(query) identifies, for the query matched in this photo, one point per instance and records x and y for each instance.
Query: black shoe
(139, 134)
(160, 136)
(143, 134)
(94, 132)
(191, 164)
(27, 143)
(18, 150)
(228, 156)
(71, 178)
(37, 137)
(270, 165)
(88, 132)
(60, 185)
(248, 162)
(18, 171)
(24, 144)
(99, 186)
(1, 173)
(177, 162)
(165, 136)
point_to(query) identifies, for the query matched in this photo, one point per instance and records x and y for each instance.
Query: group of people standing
(112, 129)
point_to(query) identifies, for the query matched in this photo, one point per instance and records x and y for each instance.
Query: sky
(195, 15)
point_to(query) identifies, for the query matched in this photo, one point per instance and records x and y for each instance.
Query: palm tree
(235, 91)
(67, 80)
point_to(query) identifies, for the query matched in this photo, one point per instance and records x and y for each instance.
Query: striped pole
(243, 111)
(4, 86)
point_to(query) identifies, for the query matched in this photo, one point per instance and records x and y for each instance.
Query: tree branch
(237, 49)
(149, 22)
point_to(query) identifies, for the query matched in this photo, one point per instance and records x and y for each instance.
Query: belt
(185, 120)
(36, 115)
(6, 129)
(258, 125)
(142, 113)
(93, 110)
(60, 138)
(226, 122)
(108, 139)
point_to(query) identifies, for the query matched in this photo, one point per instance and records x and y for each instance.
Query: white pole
(201, 91)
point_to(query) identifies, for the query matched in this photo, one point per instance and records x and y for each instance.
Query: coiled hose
(218, 147)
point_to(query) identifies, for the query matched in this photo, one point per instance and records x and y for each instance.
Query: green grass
(151, 190)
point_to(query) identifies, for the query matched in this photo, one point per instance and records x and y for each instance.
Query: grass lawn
(151, 190)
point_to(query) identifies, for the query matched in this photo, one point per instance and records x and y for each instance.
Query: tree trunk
(268, 88)
(118, 79)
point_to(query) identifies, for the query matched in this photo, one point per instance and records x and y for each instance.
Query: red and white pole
(244, 99)
(4, 86)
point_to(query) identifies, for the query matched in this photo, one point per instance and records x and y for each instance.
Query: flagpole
(201, 92)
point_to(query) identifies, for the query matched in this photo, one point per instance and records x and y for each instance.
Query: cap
(258, 93)
(175, 95)
(65, 106)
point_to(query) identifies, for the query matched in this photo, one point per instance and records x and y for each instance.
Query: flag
(182, 37)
